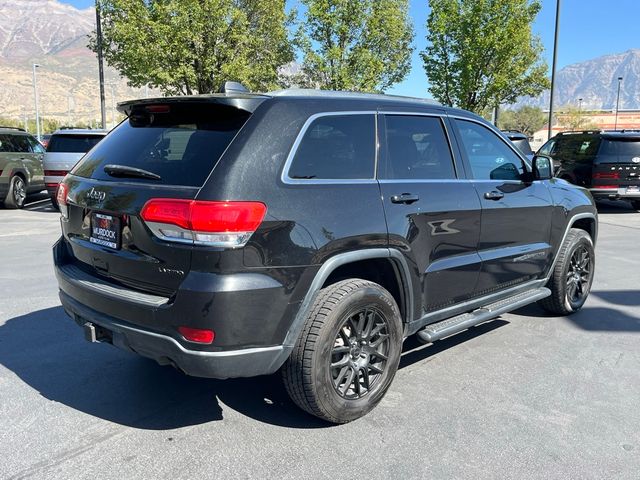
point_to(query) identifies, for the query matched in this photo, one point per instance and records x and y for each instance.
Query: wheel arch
(361, 263)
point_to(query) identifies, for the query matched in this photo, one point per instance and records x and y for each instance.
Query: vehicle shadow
(613, 206)
(39, 202)
(597, 318)
(47, 351)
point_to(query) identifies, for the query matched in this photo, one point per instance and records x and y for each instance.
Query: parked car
(607, 163)
(44, 139)
(521, 141)
(20, 166)
(65, 148)
(236, 234)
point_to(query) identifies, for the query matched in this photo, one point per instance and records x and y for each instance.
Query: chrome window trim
(286, 179)
(441, 115)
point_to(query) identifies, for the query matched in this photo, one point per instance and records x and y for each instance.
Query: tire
(17, 193)
(332, 375)
(572, 276)
(635, 204)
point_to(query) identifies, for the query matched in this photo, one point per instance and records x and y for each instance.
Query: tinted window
(578, 148)
(619, 150)
(6, 143)
(21, 144)
(73, 143)
(336, 147)
(181, 146)
(35, 145)
(490, 157)
(547, 148)
(417, 148)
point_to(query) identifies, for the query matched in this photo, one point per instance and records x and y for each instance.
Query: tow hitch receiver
(95, 333)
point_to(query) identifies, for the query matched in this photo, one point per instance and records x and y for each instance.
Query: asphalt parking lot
(525, 396)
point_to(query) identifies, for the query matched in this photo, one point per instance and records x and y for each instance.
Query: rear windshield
(181, 143)
(619, 150)
(73, 143)
(522, 144)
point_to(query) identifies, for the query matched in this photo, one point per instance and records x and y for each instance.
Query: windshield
(180, 144)
(73, 143)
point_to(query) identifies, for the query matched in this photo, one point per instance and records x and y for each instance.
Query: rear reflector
(221, 224)
(55, 173)
(605, 186)
(197, 335)
(51, 185)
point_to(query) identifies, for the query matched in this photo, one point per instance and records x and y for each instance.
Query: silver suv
(21, 169)
(65, 148)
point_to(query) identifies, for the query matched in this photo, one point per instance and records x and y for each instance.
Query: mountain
(55, 36)
(596, 82)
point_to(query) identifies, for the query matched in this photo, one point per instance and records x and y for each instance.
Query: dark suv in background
(607, 163)
(21, 169)
(237, 234)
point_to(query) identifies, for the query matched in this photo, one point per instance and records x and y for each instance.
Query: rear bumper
(614, 193)
(166, 350)
(250, 321)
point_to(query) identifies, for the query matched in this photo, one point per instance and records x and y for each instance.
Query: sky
(588, 29)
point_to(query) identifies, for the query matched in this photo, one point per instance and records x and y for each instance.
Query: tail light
(605, 186)
(606, 176)
(218, 224)
(55, 173)
(61, 199)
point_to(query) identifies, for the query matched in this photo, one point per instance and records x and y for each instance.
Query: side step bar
(450, 326)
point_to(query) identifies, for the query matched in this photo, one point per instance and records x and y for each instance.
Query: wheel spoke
(340, 349)
(347, 384)
(375, 368)
(381, 338)
(381, 356)
(365, 378)
(340, 363)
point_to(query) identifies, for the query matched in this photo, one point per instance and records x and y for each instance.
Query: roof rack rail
(13, 128)
(75, 128)
(578, 132)
(624, 130)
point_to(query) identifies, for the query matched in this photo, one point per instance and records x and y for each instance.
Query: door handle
(406, 198)
(493, 195)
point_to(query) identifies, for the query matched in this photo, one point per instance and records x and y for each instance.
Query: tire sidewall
(582, 240)
(329, 400)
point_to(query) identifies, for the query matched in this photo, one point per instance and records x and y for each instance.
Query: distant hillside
(54, 35)
(596, 82)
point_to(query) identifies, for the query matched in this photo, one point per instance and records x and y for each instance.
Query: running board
(450, 326)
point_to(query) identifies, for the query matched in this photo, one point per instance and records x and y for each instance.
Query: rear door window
(181, 143)
(73, 143)
(417, 149)
(336, 147)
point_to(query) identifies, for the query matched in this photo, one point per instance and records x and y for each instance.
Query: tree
(573, 118)
(527, 120)
(194, 46)
(481, 53)
(356, 45)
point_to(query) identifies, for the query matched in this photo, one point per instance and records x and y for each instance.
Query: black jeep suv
(607, 163)
(237, 234)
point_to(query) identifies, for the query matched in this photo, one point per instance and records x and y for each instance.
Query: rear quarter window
(181, 146)
(336, 147)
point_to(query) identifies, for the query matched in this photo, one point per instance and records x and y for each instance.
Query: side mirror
(542, 167)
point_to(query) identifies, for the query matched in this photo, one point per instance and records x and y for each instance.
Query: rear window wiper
(125, 171)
